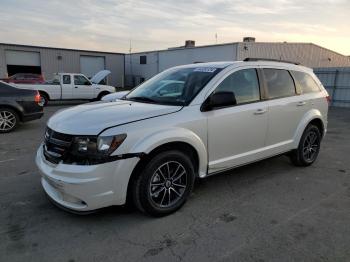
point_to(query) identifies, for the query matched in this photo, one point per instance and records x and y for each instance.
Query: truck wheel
(99, 97)
(8, 120)
(44, 99)
(309, 147)
(165, 184)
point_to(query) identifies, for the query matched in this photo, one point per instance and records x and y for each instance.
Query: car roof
(234, 64)
(222, 64)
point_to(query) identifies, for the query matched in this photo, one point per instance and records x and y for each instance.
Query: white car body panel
(115, 96)
(104, 115)
(62, 91)
(223, 138)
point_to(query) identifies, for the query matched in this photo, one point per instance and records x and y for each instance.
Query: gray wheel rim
(42, 101)
(7, 120)
(311, 146)
(168, 184)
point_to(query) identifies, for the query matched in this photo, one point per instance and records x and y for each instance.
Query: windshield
(173, 87)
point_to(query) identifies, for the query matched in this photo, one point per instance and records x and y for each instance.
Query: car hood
(113, 97)
(93, 118)
(96, 79)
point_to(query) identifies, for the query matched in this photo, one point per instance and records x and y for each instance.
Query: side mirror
(219, 99)
(88, 83)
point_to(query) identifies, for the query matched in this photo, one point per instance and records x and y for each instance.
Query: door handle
(76, 87)
(302, 103)
(260, 111)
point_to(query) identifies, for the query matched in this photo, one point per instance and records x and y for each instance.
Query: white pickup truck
(69, 86)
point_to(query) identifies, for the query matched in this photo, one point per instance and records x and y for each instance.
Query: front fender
(308, 117)
(101, 88)
(154, 140)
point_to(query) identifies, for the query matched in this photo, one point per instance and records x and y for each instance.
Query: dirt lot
(267, 211)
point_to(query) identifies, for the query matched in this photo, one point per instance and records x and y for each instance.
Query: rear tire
(8, 120)
(309, 147)
(164, 184)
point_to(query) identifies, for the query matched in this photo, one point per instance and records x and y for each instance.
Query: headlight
(96, 149)
(108, 144)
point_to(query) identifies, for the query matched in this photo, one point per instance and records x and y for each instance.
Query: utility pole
(216, 38)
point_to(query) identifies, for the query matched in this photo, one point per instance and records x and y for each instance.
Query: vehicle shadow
(236, 179)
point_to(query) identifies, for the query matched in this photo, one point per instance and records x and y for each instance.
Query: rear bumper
(86, 188)
(32, 116)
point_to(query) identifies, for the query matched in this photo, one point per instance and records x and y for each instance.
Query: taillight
(328, 98)
(37, 97)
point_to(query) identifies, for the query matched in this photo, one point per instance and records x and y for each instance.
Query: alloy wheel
(7, 120)
(311, 146)
(168, 184)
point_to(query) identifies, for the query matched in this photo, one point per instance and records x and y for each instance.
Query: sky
(111, 25)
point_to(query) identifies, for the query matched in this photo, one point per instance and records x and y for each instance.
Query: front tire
(309, 147)
(8, 120)
(165, 183)
(99, 97)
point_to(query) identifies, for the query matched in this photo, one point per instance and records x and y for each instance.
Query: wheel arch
(102, 94)
(312, 117)
(319, 123)
(42, 92)
(14, 108)
(175, 136)
(181, 146)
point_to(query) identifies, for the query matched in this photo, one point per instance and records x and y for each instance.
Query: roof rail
(251, 59)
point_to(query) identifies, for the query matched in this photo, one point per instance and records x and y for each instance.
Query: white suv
(188, 121)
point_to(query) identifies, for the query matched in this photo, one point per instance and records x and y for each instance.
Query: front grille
(56, 146)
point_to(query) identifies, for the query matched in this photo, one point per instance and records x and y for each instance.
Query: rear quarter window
(279, 83)
(306, 82)
(66, 79)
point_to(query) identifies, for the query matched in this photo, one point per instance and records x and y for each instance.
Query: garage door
(90, 65)
(22, 58)
(22, 62)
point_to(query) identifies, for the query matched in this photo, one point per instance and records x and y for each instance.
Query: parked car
(18, 105)
(25, 78)
(151, 145)
(68, 86)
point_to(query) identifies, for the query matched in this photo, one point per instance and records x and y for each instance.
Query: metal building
(141, 66)
(337, 82)
(47, 60)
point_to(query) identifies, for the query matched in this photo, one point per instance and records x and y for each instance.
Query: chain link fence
(337, 82)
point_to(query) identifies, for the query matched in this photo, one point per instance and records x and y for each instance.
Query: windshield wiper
(141, 99)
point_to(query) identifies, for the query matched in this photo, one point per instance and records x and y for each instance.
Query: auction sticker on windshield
(205, 69)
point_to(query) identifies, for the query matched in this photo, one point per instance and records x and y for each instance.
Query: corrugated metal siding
(133, 66)
(191, 55)
(158, 61)
(337, 82)
(306, 54)
(70, 61)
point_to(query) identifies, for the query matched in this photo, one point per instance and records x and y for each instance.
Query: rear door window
(66, 79)
(306, 82)
(279, 83)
